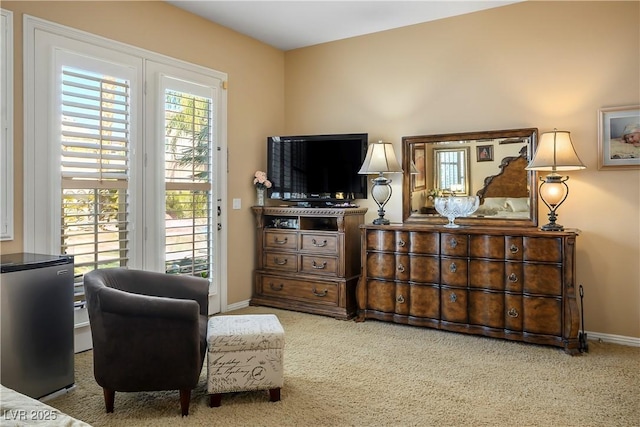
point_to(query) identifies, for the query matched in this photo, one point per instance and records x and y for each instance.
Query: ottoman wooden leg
(274, 394)
(215, 400)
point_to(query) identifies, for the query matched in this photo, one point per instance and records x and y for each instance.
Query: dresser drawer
(453, 303)
(313, 264)
(486, 274)
(543, 279)
(381, 265)
(453, 271)
(279, 239)
(380, 240)
(545, 249)
(319, 243)
(454, 244)
(282, 261)
(317, 292)
(486, 246)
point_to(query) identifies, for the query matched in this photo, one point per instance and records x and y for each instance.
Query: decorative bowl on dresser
(511, 283)
(308, 259)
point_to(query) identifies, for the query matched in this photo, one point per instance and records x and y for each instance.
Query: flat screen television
(317, 169)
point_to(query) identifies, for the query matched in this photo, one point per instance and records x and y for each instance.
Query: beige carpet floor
(342, 373)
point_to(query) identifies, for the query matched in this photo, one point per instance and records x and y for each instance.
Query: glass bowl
(454, 207)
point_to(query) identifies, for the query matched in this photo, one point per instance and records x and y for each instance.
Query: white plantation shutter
(95, 145)
(188, 182)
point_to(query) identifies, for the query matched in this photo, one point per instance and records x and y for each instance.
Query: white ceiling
(289, 25)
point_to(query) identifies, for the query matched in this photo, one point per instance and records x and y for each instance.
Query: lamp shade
(380, 158)
(555, 153)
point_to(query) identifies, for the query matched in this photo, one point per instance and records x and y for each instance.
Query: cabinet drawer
(454, 244)
(545, 249)
(302, 290)
(282, 261)
(542, 315)
(513, 312)
(421, 242)
(454, 271)
(486, 308)
(486, 247)
(513, 276)
(424, 301)
(513, 248)
(402, 299)
(314, 264)
(381, 266)
(486, 274)
(543, 279)
(424, 269)
(278, 239)
(320, 243)
(381, 296)
(453, 302)
(380, 240)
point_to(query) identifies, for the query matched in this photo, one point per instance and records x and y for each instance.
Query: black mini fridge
(36, 310)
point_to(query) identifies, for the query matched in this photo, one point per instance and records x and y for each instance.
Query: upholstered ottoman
(244, 353)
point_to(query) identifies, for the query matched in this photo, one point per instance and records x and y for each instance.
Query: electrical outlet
(237, 203)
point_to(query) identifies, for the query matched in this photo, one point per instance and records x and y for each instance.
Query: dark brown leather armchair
(149, 331)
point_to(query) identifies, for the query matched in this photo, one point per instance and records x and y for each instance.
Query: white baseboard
(591, 336)
(614, 339)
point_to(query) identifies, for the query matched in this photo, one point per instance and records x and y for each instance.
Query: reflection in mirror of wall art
(496, 174)
(619, 138)
(419, 161)
(484, 153)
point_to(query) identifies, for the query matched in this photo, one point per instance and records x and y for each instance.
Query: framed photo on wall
(619, 137)
(484, 153)
(420, 162)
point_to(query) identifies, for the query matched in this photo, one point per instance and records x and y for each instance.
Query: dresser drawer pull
(453, 297)
(280, 242)
(401, 243)
(320, 294)
(319, 266)
(318, 245)
(401, 268)
(514, 249)
(400, 299)
(276, 288)
(279, 261)
(453, 267)
(453, 243)
(512, 312)
(513, 278)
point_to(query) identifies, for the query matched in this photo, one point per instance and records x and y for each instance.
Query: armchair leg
(109, 398)
(185, 397)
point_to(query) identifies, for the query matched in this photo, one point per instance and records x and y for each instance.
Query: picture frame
(619, 138)
(484, 153)
(420, 161)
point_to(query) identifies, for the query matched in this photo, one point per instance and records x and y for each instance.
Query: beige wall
(533, 64)
(255, 97)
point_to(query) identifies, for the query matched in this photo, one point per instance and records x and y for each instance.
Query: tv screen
(310, 168)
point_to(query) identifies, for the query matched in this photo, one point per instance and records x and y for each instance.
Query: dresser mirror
(490, 165)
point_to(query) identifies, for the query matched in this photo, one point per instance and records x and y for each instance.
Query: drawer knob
(453, 297)
(315, 243)
(276, 288)
(513, 278)
(513, 249)
(453, 243)
(400, 299)
(401, 243)
(320, 294)
(401, 268)
(453, 267)
(512, 312)
(279, 261)
(280, 242)
(319, 266)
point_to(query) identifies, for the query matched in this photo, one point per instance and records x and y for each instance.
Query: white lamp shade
(555, 153)
(380, 158)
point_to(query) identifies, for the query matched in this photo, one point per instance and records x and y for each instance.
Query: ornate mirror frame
(508, 193)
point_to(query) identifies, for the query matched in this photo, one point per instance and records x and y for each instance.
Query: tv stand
(308, 259)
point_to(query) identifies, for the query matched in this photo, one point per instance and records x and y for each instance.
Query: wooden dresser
(308, 259)
(511, 283)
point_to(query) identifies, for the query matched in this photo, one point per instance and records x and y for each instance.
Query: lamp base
(552, 227)
(381, 221)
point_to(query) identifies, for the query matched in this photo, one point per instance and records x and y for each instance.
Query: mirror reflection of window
(452, 170)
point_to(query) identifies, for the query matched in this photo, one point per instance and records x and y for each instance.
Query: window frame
(6, 126)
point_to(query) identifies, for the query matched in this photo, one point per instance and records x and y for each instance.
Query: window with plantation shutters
(188, 183)
(95, 145)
